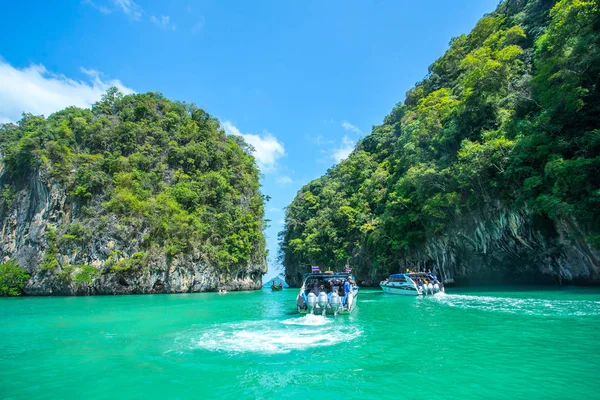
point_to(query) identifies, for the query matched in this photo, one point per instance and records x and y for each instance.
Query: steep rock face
(73, 245)
(499, 247)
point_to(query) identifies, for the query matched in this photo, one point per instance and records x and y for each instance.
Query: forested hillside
(488, 171)
(137, 195)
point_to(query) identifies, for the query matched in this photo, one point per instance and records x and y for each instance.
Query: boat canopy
(327, 275)
(412, 275)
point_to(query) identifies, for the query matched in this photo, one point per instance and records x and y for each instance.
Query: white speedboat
(323, 293)
(412, 284)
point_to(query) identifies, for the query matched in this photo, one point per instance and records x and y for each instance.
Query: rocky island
(138, 194)
(489, 171)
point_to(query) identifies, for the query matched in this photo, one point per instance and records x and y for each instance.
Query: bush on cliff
(12, 279)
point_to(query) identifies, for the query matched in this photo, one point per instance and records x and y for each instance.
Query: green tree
(12, 279)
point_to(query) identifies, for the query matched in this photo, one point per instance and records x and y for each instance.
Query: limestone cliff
(120, 201)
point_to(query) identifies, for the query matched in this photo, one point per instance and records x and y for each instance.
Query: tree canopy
(163, 168)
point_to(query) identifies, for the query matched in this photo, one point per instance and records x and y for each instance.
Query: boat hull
(400, 290)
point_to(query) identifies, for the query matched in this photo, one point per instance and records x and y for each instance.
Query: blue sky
(301, 80)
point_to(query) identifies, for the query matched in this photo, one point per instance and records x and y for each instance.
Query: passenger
(346, 290)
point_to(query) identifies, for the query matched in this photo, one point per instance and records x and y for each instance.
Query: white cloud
(349, 127)
(344, 151)
(36, 90)
(284, 180)
(274, 209)
(267, 149)
(281, 222)
(164, 22)
(130, 8)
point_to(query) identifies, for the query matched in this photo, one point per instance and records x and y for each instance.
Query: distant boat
(275, 284)
(277, 288)
(412, 284)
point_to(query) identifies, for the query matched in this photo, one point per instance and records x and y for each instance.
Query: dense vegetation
(12, 279)
(508, 117)
(136, 164)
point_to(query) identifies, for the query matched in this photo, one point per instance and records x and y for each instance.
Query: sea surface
(501, 343)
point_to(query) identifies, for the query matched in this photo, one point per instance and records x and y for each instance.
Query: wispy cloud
(274, 209)
(130, 8)
(36, 90)
(198, 26)
(99, 7)
(267, 149)
(284, 180)
(318, 140)
(344, 150)
(164, 22)
(349, 127)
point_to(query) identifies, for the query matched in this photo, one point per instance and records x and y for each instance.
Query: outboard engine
(430, 288)
(322, 300)
(311, 302)
(436, 287)
(335, 302)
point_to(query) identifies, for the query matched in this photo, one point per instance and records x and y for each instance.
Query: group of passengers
(340, 286)
(423, 282)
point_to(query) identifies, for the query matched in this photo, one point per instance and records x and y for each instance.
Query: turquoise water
(534, 344)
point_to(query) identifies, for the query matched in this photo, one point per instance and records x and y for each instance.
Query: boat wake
(308, 320)
(539, 307)
(273, 337)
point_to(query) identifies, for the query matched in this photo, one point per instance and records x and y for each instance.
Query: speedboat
(412, 284)
(323, 293)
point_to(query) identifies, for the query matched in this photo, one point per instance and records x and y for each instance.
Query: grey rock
(493, 246)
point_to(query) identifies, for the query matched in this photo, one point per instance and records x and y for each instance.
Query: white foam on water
(272, 337)
(308, 320)
(541, 307)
